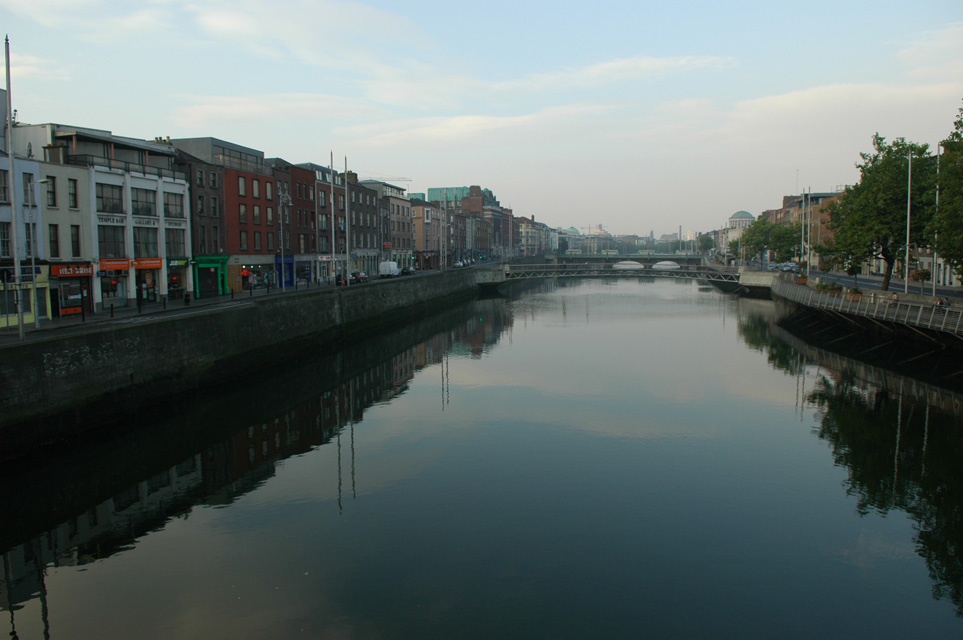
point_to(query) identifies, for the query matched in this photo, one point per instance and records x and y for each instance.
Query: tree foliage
(946, 228)
(763, 235)
(869, 219)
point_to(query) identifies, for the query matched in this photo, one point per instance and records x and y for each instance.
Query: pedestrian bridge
(507, 272)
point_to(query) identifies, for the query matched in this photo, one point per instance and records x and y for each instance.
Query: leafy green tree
(706, 242)
(947, 225)
(763, 235)
(869, 219)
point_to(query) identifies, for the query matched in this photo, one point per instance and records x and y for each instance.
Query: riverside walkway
(921, 316)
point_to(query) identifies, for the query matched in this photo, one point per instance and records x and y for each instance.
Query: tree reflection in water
(899, 452)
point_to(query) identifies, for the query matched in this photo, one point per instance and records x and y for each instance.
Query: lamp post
(909, 185)
(283, 199)
(32, 230)
(12, 186)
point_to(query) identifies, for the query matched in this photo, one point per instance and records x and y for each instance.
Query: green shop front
(210, 276)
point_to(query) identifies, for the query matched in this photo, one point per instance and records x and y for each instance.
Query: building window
(270, 241)
(175, 241)
(242, 213)
(256, 188)
(215, 240)
(4, 191)
(243, 240)
(145, 242)
(202, 239)
(257, 240)
(174, 205)
(72, 193)
(269, 190)
(111, 242)
(75, 240)
(200, 177)
(241, 186)
(200, 206)
(4, 239)
(51, 191)
(110, 198)
(53, 238)
(214, 212)
(257, 214)
(212, 181)
(269, 212)
(143, 202)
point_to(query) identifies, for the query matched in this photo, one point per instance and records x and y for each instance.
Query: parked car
(407, 271)
(358, 277)
(458, 263)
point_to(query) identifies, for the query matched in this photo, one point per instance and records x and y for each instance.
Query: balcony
(127, 167)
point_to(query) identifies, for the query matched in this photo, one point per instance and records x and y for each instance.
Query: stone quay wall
(121, 368)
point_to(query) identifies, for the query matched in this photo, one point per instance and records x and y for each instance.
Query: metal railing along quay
(917, 314)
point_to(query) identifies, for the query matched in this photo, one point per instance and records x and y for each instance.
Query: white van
(388, 270)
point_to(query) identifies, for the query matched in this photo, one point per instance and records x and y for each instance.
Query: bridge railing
(924, 315)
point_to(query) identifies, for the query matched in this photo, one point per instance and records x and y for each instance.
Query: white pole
(347, 226)
(282, 198)
(909, 185)
(334, 259)
(12, 186)
(937, 240)
(32, 230)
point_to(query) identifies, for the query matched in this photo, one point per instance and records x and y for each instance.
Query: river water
(585, 459)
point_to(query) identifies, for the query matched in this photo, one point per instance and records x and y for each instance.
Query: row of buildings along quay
(102, 221)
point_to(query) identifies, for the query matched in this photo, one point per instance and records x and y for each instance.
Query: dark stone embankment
(120, 370)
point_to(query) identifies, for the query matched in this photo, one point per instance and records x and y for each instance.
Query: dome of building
(742, 215)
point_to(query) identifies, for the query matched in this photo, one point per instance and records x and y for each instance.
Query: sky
(637, 116)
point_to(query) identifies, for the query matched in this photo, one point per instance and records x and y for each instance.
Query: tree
(763, 235)
(869, 219)
(706, 242)
(947, 225)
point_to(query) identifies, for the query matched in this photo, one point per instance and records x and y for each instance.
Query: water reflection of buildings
(226, 468)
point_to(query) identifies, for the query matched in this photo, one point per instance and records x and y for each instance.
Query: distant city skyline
(636, 117)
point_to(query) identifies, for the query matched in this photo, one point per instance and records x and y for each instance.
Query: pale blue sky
(636, 116)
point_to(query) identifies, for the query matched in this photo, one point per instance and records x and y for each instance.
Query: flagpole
(12, 187)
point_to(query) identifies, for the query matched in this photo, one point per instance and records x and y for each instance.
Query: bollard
(187, 299)
(111, 309)
(164, 305)
(232, 294)
(252, 292)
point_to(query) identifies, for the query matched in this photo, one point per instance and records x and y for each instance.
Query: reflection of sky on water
(673, 486)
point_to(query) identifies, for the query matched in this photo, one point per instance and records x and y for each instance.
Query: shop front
(210, 276)
(70, 289)
(177, 284)
(114, 277)
(147, 272)
(284, 268)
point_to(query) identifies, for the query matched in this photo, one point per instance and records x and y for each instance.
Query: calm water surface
(587, 460)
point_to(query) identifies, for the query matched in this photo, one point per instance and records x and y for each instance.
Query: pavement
(9, 332)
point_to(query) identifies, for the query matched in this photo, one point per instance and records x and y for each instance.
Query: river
(582, 459)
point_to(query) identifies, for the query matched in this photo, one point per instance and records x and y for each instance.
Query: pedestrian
(894, 299)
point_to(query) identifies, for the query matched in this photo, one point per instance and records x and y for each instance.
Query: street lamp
(32, 230)
(909, 185)
(283, 199)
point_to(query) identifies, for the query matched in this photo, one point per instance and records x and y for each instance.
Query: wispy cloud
(202, 112)
(936, 55)
(468, 128)
(616, 71)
